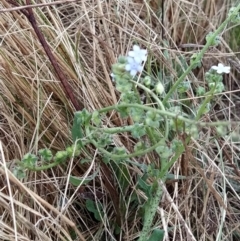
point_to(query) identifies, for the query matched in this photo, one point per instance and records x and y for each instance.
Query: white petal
(130, 60)
(220, 65)
(128, 67)
(138, 59)
(227, 69)
(139, 68)
(221, 68)
(136, 48)
(144, 57)
(144, 51)
(214, 67)
(133, 72)
(131, 53)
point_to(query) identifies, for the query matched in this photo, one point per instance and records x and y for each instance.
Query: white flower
(221, 69)
(113, 76)
(138, 54)
(132, 66)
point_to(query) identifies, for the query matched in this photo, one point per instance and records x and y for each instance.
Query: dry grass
(86, 38)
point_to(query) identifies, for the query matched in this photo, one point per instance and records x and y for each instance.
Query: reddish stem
(67, 88)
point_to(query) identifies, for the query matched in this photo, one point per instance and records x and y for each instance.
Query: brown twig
(34, 5)
(68, 90)
(113, 192)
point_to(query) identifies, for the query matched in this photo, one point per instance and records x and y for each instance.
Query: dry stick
(13, 2)
(40, 201)
(53, 60)
(175, 208)
(113, 192)
(68, 90)
(35, 5)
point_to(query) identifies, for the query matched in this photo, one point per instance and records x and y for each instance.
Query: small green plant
(154, 127)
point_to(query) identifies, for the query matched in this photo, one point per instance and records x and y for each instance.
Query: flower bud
(159, 88)
(147, 80)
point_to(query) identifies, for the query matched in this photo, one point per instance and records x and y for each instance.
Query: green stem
(200, 55)
(155, 97)
(124, 156)
(115, 130)
(151, 136)
(161, 112)
(167, 165)
(153, 204)
(205, 102)
(150, 212)
(44, 167)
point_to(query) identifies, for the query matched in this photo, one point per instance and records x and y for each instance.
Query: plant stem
(59, 72)
(205, 102)
(124, 156)
(200, 55)
(155, 97)
(152, 206)
(150, 213)
(115, 130)
(161, 112)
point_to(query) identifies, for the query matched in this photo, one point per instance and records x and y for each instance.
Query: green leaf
(19, 172)
(102, 139)
(46, 154)
(117, 229)
(123, 111)
(137, 114)
(76, 128)
(142, 184)
(29, 160)
(60, 156)
(73, 150)
(139, 146)
(183, 87)
(91, 207)
(164, 151)
(85, 160)
(123, 175)
(96, 118)
(157, 235)
(214, 41)
(76, 181)
(119, 151)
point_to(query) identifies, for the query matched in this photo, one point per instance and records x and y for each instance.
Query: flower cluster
(214, 78)
(128, 66)
(221, 69)
(234, 15)
(135, 59)
(124, 71)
